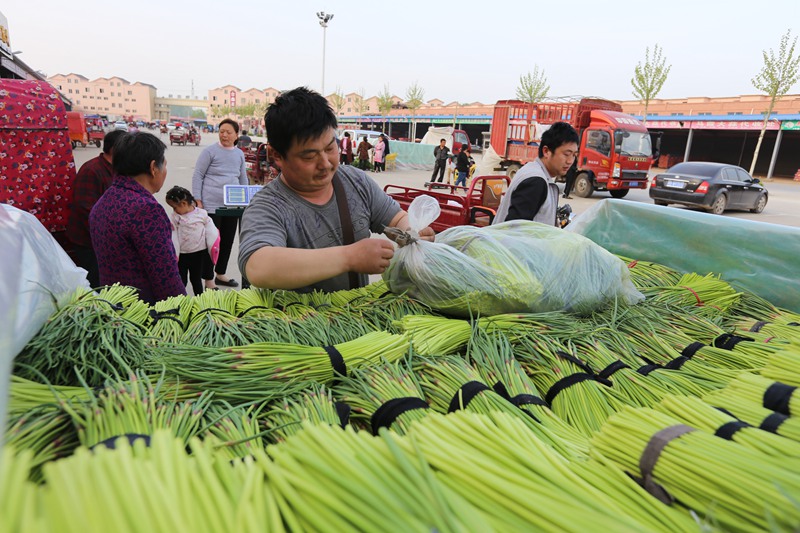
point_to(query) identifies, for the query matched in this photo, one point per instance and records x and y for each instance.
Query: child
(195, 238)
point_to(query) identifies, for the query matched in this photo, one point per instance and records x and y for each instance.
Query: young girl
(195, 238)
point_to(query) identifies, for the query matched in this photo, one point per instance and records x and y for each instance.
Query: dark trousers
(570, 179)
(196, 266)
(84, 257)
(438, 166)
(227, 227)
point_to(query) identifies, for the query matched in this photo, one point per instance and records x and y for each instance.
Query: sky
(465, 51)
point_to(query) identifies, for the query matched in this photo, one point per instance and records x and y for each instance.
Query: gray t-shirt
(215, 168)
(278, 216)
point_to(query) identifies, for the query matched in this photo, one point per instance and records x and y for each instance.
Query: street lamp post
(324, 18)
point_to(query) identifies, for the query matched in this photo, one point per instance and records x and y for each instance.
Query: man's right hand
(370, 256)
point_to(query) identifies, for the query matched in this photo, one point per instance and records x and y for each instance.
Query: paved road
(783, 207)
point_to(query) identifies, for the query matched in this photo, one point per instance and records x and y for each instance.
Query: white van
(357, 135)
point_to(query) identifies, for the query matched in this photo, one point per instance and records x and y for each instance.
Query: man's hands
(369, 256)
(427, 234)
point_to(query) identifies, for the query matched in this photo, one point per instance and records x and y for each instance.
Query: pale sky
(466, 51)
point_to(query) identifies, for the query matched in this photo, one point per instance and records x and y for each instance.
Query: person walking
(196, 237)
(346, 150)
(363, 153)
(218, 165)
(462, 166)
(378, 155)
(440, 155)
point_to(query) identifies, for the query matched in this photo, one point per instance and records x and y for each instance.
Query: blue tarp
(756, 256)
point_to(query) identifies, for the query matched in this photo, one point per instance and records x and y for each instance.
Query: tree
(532, 86)
(414, 96)
(648, 79)
(337, 99)
(198, 113)
(385, 103)
(360, 103)
(246, 112)
(777, 76)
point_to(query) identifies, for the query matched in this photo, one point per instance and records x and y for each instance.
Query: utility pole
(324, 18)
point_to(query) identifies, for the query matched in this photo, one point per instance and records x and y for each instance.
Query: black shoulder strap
(347, 224)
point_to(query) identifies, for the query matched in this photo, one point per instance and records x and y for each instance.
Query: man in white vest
(533, 194)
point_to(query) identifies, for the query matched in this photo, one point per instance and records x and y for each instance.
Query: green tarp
(756, 256)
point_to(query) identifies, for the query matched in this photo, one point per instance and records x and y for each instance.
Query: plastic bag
(35, 273)
(518, 266)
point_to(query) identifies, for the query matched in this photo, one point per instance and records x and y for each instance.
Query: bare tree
(360, 104)
(648, 79)
(414, 96)
(533, 86)
(777, 76)
(385, 103)
(337, 99)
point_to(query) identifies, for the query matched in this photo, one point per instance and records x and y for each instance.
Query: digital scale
(239, 195)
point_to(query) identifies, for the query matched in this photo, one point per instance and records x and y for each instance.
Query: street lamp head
(324, 18)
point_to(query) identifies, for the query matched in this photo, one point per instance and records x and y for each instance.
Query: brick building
(115, 97)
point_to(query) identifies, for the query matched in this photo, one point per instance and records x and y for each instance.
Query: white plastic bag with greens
(514, 267)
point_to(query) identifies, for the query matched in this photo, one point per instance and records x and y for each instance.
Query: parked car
(712, 186)
(121, 125)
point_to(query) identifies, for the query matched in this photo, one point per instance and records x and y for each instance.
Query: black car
(712, 186)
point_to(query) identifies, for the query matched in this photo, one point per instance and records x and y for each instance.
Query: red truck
(615, 150)
(476, 205)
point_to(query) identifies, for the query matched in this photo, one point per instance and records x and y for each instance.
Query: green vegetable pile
(366, 410)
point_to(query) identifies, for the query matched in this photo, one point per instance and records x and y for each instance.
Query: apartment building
(115, 97)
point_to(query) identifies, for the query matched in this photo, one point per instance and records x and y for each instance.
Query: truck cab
(615, 155)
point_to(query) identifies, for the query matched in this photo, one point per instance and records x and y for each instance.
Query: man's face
(308, 167)
(442, 143)
(557, 163)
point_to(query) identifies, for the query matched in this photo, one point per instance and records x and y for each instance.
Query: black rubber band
(773, 422)
(209, 310)
(252, 308)
(646, 369)
(166, 317)
(528, 399)
(728, 341)
(677, 363)
(343, 412)
(115, 307)
(611, 369)
(110, 443)
(727, 431)
(160, 314)
(777, 397)
(387, 413)
(723, 410)
(793, 324)
(567, 382)
(575, 361)
(465, 394)
(758, 325)
(501, 389)
(690, 350)
(337, 362)
(650, 455)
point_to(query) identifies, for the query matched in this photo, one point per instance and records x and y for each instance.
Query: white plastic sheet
(514, 267)
(36, 273)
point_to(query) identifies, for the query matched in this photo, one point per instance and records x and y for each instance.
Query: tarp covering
(413, 156)
(756, 256)
(435, 135)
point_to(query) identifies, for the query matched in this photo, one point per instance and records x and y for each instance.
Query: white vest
(547, 213)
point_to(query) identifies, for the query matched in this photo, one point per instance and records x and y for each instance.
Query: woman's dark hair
(297, 116)
(558, 134)
(134, 152)
(233, 123)
(178, 194)
(110, 139)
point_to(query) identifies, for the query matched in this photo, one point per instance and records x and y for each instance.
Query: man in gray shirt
(292, 235)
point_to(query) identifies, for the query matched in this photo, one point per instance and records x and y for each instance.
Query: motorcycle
(564, 216)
